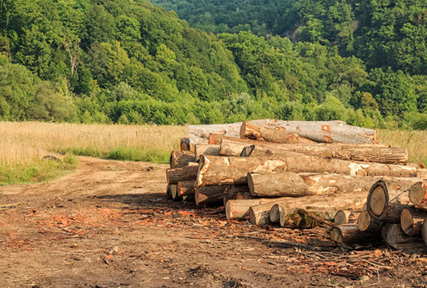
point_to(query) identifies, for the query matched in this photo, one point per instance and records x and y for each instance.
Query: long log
(205, 149)
(173, 176)
(411, 221)
(277, 185)
(418, 195)
(231, 148)
(276, 134)
(346, 217)
(366, 223)
(349, 234)
(393, 235)
(185, 188)
(209, 195)
(385, 203)
(217, 138)
(179, 159)
(354, 152)
(239, 209)
(319, 131)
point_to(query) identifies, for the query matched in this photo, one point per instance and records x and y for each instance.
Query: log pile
(297, 174)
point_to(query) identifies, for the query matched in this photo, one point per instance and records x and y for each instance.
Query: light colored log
(186, 188)
(173, 176)
(180, 159)
(193, 164)
(186, 145)
(237, 192)
(366, 223)
(286, 184)
(275, 212)
(231, 148)
(349, 234)
(174, 192)
(418, 195)
(411, 221)
(206, 149)
(346, 217)
(393, 235)
(209, 195)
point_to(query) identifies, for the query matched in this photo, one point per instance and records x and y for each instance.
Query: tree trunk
(354, 152)
(319, 131)
(179, 159)
(285, 184)
(276, 134)
(366, 223)
(393, 235)
(346, 217)
(231, 148)
(173, 176)
(185, 188)
(239, 209)
(206, 149)
(418, 195)
(209, 195)
(237, 192)
(349, 234)
(411, 221)
(385, 202)
(233, 170)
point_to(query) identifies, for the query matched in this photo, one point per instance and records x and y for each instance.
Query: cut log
(231, 148)
(348, 234)
(186, 145)
(319, 131)
(275, 213)
(169, 192)
(366, 223)
(174, 192)
(393, 235)
(216, 170)
(418, 195)
(209, 195)
(206, 149)
(186, 188)
(260, 214)
(217, 138)
(264, 133)
(354, 152)
(303, 219)
(239, 209)
(192, 164)
(346, 217)
(173, 176)
(411, 221)
(237, 192)
(179, 159)
(385, 203)
(277, 185)
(424, 231)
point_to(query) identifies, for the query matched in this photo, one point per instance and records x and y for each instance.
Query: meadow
(24, 144)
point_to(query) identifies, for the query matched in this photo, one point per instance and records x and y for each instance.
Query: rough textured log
(355, 152)
(217, 138)
(179, 159)
(231, 148)
(385, 203)
(173, 176)
(209, 195)
(193, 164)
(303, 219)
(186, 188)
(418, 195)
(186, 145)
(349, 234)
(276, 134)
(411, 221)
(216, 170)
(237, 192)
(205, 149)
(260, 214)
(277, 185)
(393, 235)
(366, 223)
(319, 131)
(346, 217)
(239, 209)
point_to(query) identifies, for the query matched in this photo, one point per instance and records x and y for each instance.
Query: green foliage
(134, 154)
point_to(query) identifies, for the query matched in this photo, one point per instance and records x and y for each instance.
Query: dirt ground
(109, 225)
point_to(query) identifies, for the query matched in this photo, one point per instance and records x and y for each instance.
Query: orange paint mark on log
(327, 139)
(326, 128)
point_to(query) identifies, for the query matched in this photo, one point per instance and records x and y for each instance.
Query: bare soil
(109, 225)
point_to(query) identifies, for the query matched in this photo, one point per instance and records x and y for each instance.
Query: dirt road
(109, 225)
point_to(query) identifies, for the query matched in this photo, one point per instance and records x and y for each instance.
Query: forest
(120, 61)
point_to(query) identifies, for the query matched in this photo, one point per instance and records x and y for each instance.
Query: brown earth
(109, 225)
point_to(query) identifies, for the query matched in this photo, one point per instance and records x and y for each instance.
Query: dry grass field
(24, 144)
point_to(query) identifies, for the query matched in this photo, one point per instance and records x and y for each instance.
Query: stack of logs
(297, 174)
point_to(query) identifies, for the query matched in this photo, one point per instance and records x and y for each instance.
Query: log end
(407, 222)
(417, 193)
(341, 217)
(363, 221)
(377, 201)
(336, 235)
(275, 212)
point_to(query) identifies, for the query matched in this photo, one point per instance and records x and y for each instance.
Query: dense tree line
(119, 61)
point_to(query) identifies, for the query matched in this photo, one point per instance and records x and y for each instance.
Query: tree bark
(349, 234)
(179, 159)
(385, 202)
(237, 192)
(418, 195)
(185, 188)
(231, 148)
(173, 176)
(319, 131)
(424, 231)
(209, 195)
(233, 170)
(366, 223)
(186, 145)
(239, 209)
(217, 138)
(276, 134)
(205, 149)
(346, 217)
(393, 235)
(354, 152)
(285, 184)
(411, 221)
